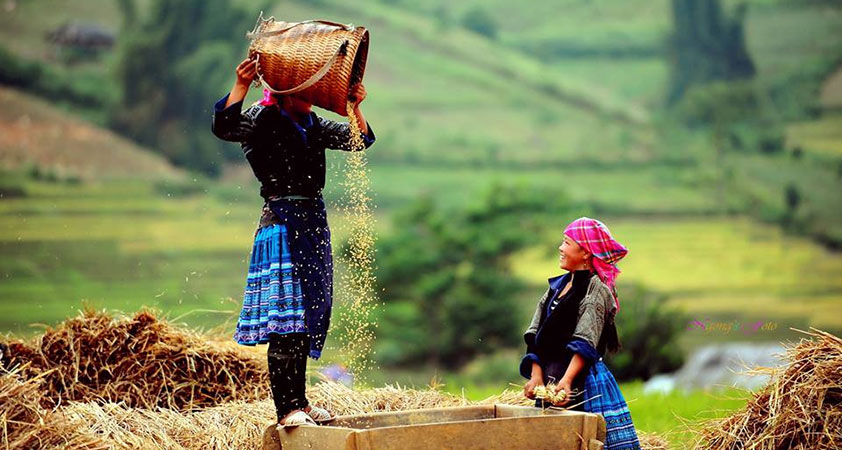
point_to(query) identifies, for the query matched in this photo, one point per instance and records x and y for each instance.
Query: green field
(123, 244)
(820, 137)
(567, 101)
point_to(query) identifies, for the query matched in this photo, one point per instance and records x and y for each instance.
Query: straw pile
(343, 400)
(25, 424)
(800, 408)
(234, 425)
(136, 400)
(652, 441)
(141, 361)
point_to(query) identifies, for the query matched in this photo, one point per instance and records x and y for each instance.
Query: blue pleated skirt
(272, 301)
(604, 397)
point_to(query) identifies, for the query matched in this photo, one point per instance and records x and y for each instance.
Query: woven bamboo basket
(317, 61)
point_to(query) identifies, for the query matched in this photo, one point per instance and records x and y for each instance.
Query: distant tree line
(706, 45)
(173, 61)
(450, 294)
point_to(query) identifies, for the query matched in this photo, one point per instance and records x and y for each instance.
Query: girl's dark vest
(281, 160)
(556, 329)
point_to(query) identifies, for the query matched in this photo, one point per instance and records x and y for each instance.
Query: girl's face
(572, 256)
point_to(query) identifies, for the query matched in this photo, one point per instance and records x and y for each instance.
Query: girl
(573, 327)
(289, 288)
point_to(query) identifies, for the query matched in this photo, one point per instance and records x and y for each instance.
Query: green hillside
(562, 96)
(37, 136)
(733, 224)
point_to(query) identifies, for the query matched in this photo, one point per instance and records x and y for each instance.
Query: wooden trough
(470, 427)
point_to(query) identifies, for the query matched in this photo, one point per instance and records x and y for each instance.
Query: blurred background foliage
(706, 133)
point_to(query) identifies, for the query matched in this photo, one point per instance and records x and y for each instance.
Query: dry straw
(800, 408)
(111, 414)
(549, 393)
(652, 441)
(24, 424)
(141, 361)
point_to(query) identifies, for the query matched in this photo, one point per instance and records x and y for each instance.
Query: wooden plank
(414, 417)
(557, 432)
(601, 431)
(321, 437)
(502, 411)
(271, 441)
(530, 411)
(589, 427)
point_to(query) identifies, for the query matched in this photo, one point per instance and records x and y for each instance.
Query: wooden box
(481, 427)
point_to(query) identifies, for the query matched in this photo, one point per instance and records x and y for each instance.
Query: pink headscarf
(268, 98)
(594, 236)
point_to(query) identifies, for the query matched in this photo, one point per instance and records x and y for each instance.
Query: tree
(481, 22)
(706, 46)
(449, 295)
(172, 64)
(649, 334)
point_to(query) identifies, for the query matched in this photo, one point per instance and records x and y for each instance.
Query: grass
(821, 137)
(677, 414)
(120, 247)
(764, 184)
(619, 190)
(129, 243)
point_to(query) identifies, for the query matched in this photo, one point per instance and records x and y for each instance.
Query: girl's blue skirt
(604, 397)
(273, 301)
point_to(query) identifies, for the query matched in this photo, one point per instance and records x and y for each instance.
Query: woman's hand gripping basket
(317, 61)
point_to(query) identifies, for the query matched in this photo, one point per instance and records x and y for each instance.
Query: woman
(573, 327)
(289, 288)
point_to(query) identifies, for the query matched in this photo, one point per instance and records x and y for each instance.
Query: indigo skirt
(604, 397)
(272, 301)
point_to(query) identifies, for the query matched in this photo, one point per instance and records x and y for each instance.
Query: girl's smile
(572, 256)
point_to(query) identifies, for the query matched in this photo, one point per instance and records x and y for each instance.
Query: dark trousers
(287, 355)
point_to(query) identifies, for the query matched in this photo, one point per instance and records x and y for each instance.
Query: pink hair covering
(594, 236)
(268, 98)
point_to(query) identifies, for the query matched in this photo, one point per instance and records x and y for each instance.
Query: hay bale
(652, 441)
(24, 424)
(140, 360)
(343, 400)
(233, 425)
(800, 408)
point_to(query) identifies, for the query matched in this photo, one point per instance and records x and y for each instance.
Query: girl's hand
(246, 71)
(563, 385)
(357, 94)
(245, 75)
(529, 388)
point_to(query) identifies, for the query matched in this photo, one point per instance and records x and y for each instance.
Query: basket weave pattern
(290, 53)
